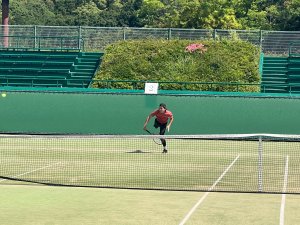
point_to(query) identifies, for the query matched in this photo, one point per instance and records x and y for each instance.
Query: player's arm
(170, 123)
(147, 120)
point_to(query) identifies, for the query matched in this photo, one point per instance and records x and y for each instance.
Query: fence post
(39, 44)
(214, 34)
(260, 39)
(169, 34)
(79, 37)
(260, 164)
(124, 33)
(34, 33)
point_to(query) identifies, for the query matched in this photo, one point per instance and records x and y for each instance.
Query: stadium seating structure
(48, 68)
(281, 74)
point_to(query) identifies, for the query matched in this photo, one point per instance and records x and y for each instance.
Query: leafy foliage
(204, 14)
(160, 60)
(31, 12)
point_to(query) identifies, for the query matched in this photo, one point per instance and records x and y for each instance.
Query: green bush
(162, 60)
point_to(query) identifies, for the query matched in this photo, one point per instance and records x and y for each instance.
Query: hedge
(163, 60)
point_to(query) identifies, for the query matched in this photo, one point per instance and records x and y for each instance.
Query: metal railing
(196, 86)
(98, 38)
(170, 85)
(294, 49)
(138, 85)
(20, 42)
(43, 82)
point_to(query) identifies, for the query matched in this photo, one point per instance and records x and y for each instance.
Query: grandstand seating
(275, 74)
(293, 74)
(281, 74)
(48, 68)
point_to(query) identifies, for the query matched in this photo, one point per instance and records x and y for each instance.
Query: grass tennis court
(192, 166)
(27, 205)
(126, 162)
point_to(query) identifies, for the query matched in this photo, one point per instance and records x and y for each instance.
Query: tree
(209, 14)
(200, 14)
(87, 14)
(151, 13)
(128, 15)
(31, 12)
(290, 15)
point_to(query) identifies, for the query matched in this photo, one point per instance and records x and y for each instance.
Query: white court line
(19, 175)
(188, 215)
(286, 170)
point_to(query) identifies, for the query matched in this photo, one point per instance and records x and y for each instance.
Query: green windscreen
(121, 113)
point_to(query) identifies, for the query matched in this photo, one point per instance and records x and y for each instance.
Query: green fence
(97, 38)
(125, 113)
(196, 86)
(294, 49)
(138, 86)
(21, 42)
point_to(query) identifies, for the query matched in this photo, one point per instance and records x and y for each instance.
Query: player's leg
(162, 132)
(156, 124)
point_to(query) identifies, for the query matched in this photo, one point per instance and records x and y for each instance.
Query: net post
(260, 164)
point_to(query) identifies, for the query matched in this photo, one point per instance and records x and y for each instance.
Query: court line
(19, 175)
(286, 170)
(188, 215)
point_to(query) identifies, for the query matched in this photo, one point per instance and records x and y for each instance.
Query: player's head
(162, 106)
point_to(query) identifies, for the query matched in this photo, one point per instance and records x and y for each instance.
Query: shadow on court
(139, 151)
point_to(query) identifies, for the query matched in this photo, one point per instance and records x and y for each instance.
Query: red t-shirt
(162, 117)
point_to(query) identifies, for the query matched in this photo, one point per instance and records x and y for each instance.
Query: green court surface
(197, 165)
(126, 162)
(27, 205)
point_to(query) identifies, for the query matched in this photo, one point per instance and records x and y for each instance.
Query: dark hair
(163, 105)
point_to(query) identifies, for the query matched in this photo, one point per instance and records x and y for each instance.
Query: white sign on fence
(151, 88)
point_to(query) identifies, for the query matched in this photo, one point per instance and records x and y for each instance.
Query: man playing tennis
(162, 117)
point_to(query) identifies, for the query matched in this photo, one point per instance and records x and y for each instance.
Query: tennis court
(174, 188)
(29, 205)
(194, 163)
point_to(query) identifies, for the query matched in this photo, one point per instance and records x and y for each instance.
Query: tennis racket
(156, 140)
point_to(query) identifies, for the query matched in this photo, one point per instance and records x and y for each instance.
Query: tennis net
(231, 163)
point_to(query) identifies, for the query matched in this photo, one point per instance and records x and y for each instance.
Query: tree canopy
(199, 14)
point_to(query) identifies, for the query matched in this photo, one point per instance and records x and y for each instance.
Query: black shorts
(161, 126)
